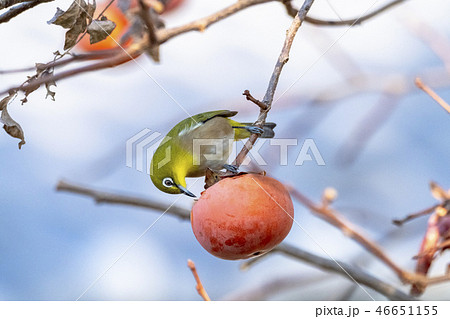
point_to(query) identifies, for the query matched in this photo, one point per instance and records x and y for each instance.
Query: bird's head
(166, 172)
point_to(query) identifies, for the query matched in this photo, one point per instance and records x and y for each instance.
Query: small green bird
(196, 143)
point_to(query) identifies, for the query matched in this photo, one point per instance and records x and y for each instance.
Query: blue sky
(54, 245)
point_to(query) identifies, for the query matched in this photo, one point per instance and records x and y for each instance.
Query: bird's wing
(191, 123)
(206, 116)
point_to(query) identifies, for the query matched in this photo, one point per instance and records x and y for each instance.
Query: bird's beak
(185, 191)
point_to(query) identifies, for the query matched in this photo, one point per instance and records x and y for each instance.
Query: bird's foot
(231, 168)
(254, 130)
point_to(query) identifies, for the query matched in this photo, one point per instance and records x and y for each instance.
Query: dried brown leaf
(10, 126)
(78, 28)
(100, 29)
(4, 102)
(437, 191)
(67, 19)
(90, 10)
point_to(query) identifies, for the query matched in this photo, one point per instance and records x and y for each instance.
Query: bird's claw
(231, 168)
(254, 130)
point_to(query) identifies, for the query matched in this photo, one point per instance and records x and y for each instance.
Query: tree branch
(74, 57)
(102, 197)
(348, 22)
(273, 82)
(8, 3)
(201, 24)
(432, 94)
(119, 58)
(332, 217)
(164, 34)
(344, 270)
(18, 9)
(200, 289)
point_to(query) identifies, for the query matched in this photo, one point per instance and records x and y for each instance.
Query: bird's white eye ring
(168, 182)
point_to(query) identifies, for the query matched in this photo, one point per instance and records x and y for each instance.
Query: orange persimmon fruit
(242, 216)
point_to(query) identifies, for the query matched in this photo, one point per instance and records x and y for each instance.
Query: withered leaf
(42, 70)
(49, 84)
(10, 126)
(100, 29)
(437, 191)
(78, 28)
(90, 10)
(4, 102)
(28, 91)
(68, 18)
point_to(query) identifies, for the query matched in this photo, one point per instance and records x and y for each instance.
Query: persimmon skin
(171, 5)
(242, 216)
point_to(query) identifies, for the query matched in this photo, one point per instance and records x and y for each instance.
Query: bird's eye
(168, 182)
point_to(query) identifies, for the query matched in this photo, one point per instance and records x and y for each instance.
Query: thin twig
(78, 57)
(345, 270)
(200, 289)
(273, 82)
(332, 217)
(102, 197)
(432, 94)
(250, 98)
(400, 222)
(347, 22)
(121, 57)
(203, 23)
(20, 8)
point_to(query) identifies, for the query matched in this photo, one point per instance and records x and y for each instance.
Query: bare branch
(102, 197)
(162, 35)
(95, 55)
(344, 270)
(250, 98)
(200, 289)
(203, 23)
(273, 82)
(400, 222)
(119, 58)
(8, 3)
(348, 22)
(20, 8)
(432, 94)
(323, 263)
(332, 217)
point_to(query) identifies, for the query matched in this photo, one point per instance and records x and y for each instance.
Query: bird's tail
(268, 130)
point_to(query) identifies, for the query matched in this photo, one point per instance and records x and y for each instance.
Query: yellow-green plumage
(184, 151)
